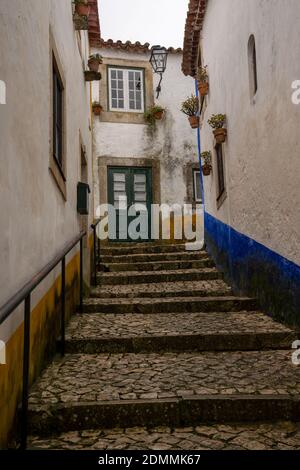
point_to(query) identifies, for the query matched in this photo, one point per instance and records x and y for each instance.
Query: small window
(252, 66)
(126, 90)
(220, 167)
(197, 186)
(57, 115)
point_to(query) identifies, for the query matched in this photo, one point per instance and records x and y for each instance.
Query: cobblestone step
(243, 436)
(242, 331)
(169, 305)
(164, 289)
(126, 278)
(186, 389)
(136, 248)
(157, 266)
(143, 258)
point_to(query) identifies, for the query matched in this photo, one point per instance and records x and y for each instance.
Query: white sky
(155, 21)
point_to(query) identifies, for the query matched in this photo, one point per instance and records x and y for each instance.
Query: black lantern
(158, 60)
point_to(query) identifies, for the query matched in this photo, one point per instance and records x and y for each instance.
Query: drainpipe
(199, 152)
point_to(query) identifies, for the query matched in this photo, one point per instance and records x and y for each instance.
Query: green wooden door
(130, 193)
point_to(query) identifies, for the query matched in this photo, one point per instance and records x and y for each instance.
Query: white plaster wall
(174, 142)
(35, 221)
(262, 151)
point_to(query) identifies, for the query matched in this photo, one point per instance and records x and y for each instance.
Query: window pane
(114, 103)
(131, 105)
(120, 74)
(121, 94)
(120, 84)
(114, 83)
(113, 74)
(131, 76)
(121, 104)
(138, 75)
(114, 93)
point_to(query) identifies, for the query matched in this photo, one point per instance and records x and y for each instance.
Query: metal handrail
(24, 295)
(96, 251)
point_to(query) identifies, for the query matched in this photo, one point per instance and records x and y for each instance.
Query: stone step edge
(172, 412)
(161, 294)
(250, 341)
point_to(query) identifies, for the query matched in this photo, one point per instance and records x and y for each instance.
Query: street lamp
(158, 60)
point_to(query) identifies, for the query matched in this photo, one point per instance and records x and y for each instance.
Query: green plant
(217, 121)
(149, 114)
(97, 57)
(190, 106)
(96, 103)
(78, 2)
(202, 75)
(206, 157)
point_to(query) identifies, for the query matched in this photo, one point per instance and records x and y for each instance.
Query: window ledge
(221, 199)
(59, 179)
(122, 117)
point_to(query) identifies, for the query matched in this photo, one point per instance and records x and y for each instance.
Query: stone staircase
(165, 356)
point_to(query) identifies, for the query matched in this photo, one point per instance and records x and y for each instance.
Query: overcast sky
(154, 21)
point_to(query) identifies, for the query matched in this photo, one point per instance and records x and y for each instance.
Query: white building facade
(252, 196)
(125, 144)
(46, 150)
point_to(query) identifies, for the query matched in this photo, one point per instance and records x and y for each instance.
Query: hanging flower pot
(153, 114)
(220, 135)
(206, 166)
(97, 108)
(203, 88)
(203, 83)
(82, 8)
(94, 62)
(206, 169)
(194, 121)
(159, 114)
(217, 122)
(190, 107)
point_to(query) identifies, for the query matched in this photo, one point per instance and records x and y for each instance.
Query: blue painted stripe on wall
(254, 269)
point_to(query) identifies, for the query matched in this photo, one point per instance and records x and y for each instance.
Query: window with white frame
(197, 186)
(126, 89)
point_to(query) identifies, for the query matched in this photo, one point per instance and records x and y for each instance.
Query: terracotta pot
(194, 121)
(220, 135)
(97, 109)
(203, 88)
(83, 9)
(94, 65)
(159, 115)
(206, 169)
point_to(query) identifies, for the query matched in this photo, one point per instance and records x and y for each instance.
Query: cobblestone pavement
(167, 324)
(102, 377)
(217, 287)
(275, 436)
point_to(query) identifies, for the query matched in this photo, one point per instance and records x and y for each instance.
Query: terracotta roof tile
(193, 27)
(132, 46)
(94, 24)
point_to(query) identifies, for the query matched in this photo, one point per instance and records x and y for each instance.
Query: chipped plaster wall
(36, 222)
(262, 151)
(173, 144)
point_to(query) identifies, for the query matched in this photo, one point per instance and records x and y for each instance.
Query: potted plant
(94, 62)
(153, 114)
(217, 122)
(206, 166)
(158, 112)
(97, 108)
(190, 107)
(203, 84)
(82, 8)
